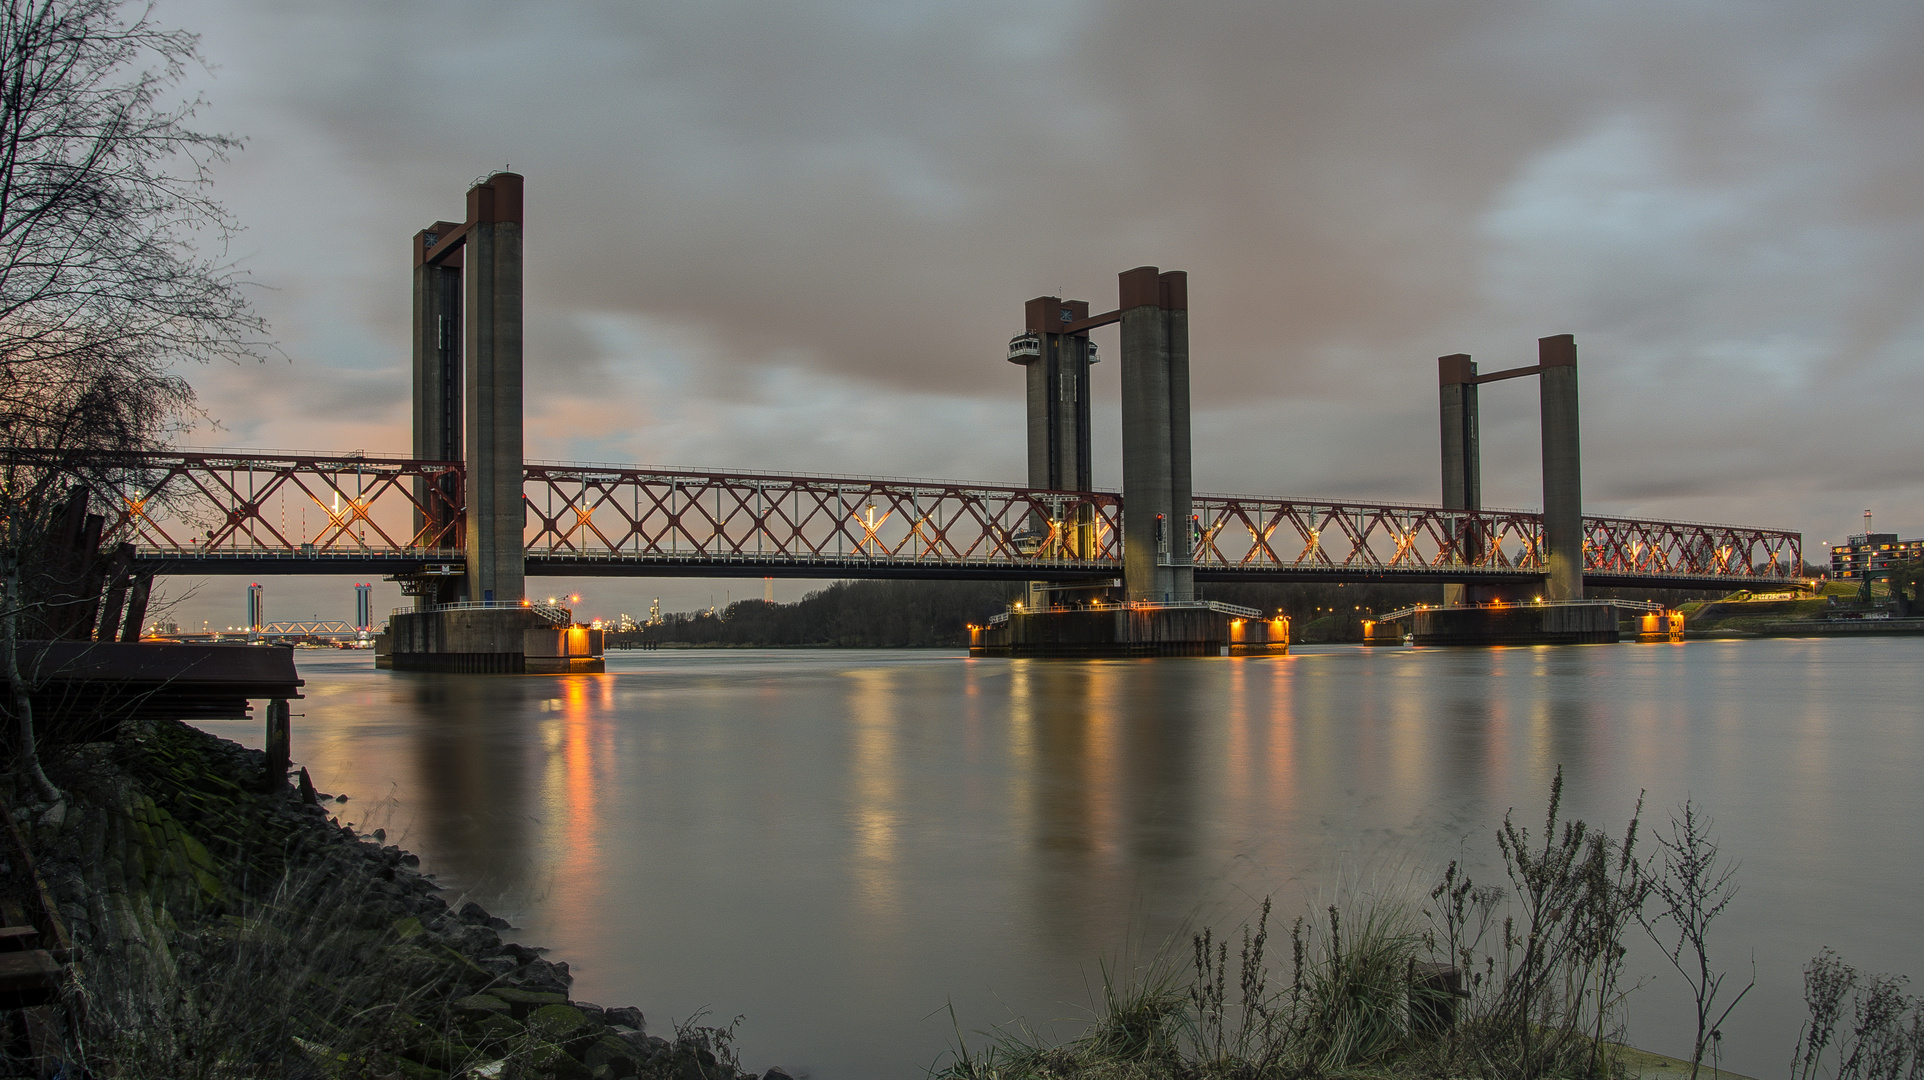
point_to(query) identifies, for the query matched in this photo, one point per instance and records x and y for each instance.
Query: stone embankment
(221, 929)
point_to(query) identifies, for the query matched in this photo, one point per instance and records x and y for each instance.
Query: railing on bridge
(259, 510)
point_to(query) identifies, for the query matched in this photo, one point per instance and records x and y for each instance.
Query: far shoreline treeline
(937, 614)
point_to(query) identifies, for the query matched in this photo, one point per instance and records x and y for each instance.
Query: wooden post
(280, 743)
(1434, 991)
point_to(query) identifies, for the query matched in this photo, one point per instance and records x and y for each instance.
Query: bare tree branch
(106, 287)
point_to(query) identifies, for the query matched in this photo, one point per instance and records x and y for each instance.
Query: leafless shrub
(1886, 1032)
(104, 202)
(1691, 890)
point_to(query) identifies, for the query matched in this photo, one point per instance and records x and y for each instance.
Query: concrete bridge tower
(1562, 468)
(1058, 375)
(491, 302)
(468, 389)
(1159, 525)
(438, 411)
(467, 409)
(1158, 538)
(1462, 460)
(1556, 372)
(1057, 360)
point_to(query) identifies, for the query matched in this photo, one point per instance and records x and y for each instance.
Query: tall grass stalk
(1346, 1003)
(295, 984)
(1511, 983)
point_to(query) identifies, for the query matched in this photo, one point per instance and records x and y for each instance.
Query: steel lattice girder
(215, 504)
(1237, 532)
(643, 513)
(198, 504)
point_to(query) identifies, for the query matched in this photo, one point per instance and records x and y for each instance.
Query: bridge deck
(390, 561)
(257, 513)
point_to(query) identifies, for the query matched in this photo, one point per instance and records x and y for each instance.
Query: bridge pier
(1562, 536)
(1195, 628)
(468, 408)
(1506, 614)
(1517, 624)
(1161, 616)
(480, 640)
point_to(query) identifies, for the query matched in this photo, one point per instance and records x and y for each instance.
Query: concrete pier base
(1198, 628)
(559, 650)
(1656, 626)
(1516, 624)
(486, 641)
(1383, 633)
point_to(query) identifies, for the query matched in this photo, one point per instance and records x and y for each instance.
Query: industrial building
(1873, 554)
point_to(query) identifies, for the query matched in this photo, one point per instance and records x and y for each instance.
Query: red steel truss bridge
(256, 513)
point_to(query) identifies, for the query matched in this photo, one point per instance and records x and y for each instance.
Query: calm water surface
(840, 844)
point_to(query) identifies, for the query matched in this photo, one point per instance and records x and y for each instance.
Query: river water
(843, 845)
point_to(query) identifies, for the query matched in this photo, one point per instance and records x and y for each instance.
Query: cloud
(796, 237)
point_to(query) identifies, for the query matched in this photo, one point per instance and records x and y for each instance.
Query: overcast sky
(799, 236)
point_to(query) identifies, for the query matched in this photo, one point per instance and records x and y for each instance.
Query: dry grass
(1540, 962)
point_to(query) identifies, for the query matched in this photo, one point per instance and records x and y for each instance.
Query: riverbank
(226, 926)
(1813, 628)
(1839, 610)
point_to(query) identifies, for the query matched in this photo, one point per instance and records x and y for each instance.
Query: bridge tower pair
(468, 389)
(1556, 372)
(1157, 523)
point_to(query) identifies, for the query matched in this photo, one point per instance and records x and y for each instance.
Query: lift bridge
(464, 518)
(255, 513)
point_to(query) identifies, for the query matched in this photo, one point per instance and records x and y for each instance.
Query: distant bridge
(333, 631)
(255, 513)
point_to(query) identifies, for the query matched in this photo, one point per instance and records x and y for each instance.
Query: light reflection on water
(839, 844)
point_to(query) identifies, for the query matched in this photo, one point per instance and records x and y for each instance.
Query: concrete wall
(1036, 376)
(1271, 635)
